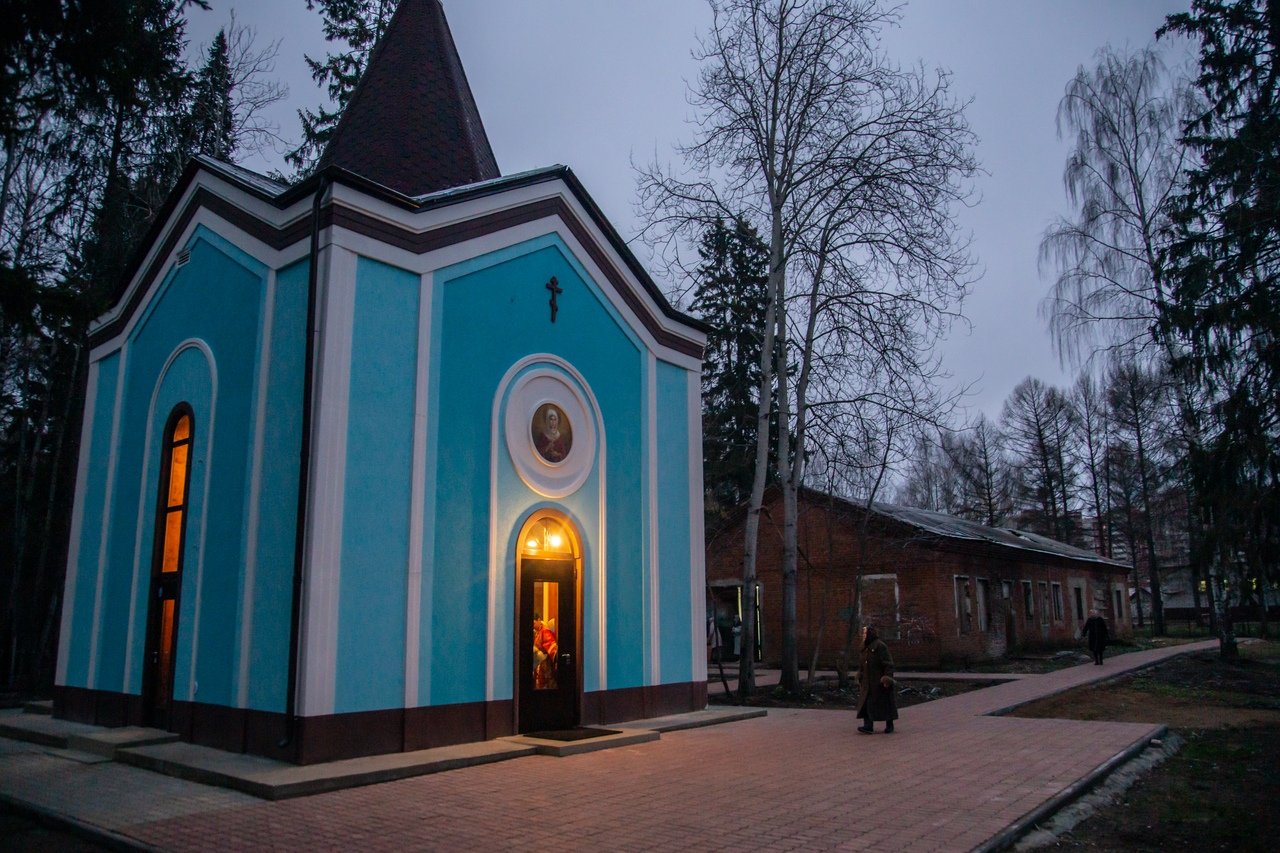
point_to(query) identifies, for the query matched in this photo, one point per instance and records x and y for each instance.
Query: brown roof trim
(277, 238)
(335, 213)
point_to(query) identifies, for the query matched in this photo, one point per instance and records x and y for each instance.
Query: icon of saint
(553, 438)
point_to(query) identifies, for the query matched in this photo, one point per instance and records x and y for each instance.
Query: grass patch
(1219, 792)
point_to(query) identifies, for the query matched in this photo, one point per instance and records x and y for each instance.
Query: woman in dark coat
(876, 699)
(1095, 629)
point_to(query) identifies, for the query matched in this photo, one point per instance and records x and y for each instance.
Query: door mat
(572, 734)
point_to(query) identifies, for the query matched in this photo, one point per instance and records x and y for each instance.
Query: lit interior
(547, 538)
(546, 628)
(165, 663)
(176, 498)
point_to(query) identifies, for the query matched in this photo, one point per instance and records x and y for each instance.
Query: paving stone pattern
(948, 779)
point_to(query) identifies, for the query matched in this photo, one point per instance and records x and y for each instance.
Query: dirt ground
(1221, 790)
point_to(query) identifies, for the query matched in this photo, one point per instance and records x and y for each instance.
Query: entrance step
(698, 719)
(560, 748)
(40, 729)
(276, 780)
(78, 757)
(106, 742)
(39, 706)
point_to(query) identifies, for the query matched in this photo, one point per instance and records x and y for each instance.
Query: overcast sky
(596, 84)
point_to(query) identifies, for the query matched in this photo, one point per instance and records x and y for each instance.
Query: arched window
(548, 539)
(174, 480)
(166, 573)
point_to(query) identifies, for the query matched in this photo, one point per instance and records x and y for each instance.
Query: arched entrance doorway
(548, 663)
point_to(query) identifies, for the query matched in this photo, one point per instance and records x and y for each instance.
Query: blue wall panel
(626, 515)
(217, 273)
(675, 618)
(94, 496)
(278, 501)
(506, 291)
(375, 532)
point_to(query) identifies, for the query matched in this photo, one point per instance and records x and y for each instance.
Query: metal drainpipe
(304, 470)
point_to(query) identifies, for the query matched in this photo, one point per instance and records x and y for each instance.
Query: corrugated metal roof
(952, 527)
(960, 528)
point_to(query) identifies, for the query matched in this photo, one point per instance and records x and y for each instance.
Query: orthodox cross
(555, 288)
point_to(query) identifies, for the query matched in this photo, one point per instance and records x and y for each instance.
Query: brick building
(940, 587)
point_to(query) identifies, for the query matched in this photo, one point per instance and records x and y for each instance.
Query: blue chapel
(404, 455)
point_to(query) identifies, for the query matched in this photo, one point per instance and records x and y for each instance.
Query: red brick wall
(921, 626)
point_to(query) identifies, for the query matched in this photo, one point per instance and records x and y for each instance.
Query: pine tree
(91, 88)
(212, 118)
(1224, 265)
(359, 24)
(731, 297)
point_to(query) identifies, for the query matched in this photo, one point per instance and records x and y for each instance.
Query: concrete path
(951, 778)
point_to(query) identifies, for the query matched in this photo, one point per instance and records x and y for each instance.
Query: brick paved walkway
(949, 779)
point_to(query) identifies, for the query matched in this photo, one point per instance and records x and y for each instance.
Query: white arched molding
(516, 379)
(138, 551)
(533, 390)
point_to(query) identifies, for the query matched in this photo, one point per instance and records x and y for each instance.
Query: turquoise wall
(272, 595)
(216, 274)
(93, 498)
(486, 315)
(674, 548)
(506, 291)
(375, 526)
(222, 395)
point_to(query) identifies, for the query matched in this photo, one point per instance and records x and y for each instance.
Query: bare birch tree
(1092, 428)
(851, 165)
(1124, 176)
(977, 458)
(1037, 423)
(1125, 116)
(1135, 396)
(929, 478)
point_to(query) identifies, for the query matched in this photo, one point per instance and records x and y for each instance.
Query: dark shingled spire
(411, 124)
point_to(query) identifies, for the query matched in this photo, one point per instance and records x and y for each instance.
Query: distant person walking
(1095, 630)
(876, 700)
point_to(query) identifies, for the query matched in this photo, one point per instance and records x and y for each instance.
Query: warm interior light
(547, 537)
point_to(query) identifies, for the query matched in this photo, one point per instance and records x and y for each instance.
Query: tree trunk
(1153, 568)
(1132, 540)
(793, 471)
(1227, 648)
(826, 583)
(751, 535)
(789, 679)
